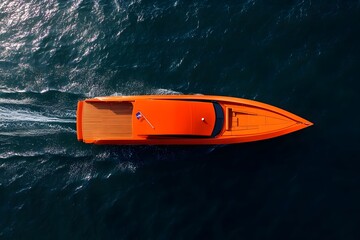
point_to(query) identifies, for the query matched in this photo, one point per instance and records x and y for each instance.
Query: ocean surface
(302, 56)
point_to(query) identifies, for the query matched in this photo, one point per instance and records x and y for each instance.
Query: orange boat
(181, 120)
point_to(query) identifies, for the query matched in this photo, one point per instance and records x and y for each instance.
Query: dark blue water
(303, 56)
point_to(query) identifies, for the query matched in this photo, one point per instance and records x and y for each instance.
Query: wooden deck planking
(105, 120)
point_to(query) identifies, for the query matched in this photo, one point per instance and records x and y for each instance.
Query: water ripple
(54, 53)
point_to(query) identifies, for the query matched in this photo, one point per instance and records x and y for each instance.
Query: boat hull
(181, 120)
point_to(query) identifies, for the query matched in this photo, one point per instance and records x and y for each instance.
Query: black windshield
(219, 122)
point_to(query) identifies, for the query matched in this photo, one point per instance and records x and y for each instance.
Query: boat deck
(104, 120)
(241, 120)
(164, 120)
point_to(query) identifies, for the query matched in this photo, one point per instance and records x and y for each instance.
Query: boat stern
(79, 112)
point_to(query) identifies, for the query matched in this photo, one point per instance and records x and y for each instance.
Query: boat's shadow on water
(153, 154)
(274, 151)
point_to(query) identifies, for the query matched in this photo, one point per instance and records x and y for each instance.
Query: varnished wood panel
(103, 120)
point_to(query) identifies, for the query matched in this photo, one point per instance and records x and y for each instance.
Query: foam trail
(8, 115)
(25, 101)
(25, 131)
(4, 89)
